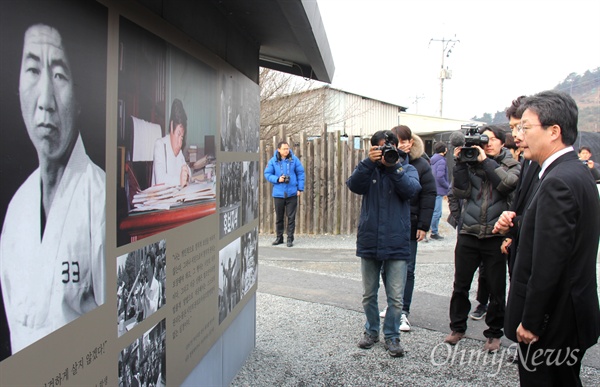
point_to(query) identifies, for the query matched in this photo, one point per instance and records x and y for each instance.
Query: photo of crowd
(230, 278)
(230, 185)
(141, 283)
(249, 260)
(230, 195)
(250, 195)
(238, 271)
(143, 363)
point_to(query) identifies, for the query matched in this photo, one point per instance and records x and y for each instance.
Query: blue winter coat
(440, 172)
(384, 224)
(290, 166)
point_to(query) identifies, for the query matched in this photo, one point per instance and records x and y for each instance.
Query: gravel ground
(306, 344)
(300, 343)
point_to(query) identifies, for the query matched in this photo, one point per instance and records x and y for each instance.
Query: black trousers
(469, 253)
(539, 367)
(483, 294)
(288, 207)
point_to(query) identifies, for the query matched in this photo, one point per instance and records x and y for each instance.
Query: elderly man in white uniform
(169, 165)
(52, 243)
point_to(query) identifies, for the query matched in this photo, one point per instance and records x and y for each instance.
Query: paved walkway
(309, 319)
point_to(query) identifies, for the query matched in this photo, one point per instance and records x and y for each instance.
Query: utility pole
(447, 45)
(416, 102)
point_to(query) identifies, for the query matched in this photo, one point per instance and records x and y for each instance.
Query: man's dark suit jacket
(553, 289)
(527, 184)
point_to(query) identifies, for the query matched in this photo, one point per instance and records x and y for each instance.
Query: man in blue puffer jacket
(383, 238)
(286, 173)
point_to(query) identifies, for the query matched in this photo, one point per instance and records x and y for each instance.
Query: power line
(447, 46)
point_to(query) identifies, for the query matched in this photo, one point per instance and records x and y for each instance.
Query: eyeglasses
(522, 129)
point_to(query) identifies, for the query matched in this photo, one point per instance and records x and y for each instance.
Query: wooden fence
(326, 206)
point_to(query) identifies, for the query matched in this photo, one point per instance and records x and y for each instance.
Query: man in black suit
(552, 308)
(526, 185)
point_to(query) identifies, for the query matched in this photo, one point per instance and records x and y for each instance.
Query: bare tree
(299, 105)
(290, 102)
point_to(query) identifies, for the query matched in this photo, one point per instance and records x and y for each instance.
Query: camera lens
(391, 156)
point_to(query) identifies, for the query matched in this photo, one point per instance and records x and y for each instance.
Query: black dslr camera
(286, 179)
(389, 152)
(469, 154)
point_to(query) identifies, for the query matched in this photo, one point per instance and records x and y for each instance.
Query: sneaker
(393, 347)
(436, 237)
(368, 341)
(404, 323)
(278, 241)
(454, 337)
(492, 345)
(382, 313)
(479, 312)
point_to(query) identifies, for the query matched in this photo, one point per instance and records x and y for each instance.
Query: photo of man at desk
(169, 166)
(166, 124)
(53, 236)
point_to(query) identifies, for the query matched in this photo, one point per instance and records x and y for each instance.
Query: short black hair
(513, 109)
(586, 149)
(386, 135)
(510, 142)
(178, 116)
(152, 257)
(440, 147)
(555, 108)
(498, 132)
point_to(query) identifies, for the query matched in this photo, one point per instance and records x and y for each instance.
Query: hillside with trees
(585, 90)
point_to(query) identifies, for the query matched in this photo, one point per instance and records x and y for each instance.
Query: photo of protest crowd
(141, 282)
(143, 363)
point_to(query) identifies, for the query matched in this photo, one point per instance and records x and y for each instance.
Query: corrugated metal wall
(358, 116)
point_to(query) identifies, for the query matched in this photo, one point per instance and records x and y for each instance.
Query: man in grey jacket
(485, 184)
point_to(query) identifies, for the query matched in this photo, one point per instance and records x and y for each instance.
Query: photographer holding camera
(484, 176)
(386, 182)
(286, 173)
(585, 155)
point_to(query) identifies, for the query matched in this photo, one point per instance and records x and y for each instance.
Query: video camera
(389, 152)
(286, 179)
(469, 154)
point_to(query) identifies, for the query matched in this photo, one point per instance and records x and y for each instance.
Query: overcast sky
(382, 49)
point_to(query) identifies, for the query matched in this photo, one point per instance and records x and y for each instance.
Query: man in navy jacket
(383, 238)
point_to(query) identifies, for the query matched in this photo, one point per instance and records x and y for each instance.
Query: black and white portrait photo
(144, 362)
(230, 192)
(141, 284)
(230, 278)
(250, 192)
(52, 169)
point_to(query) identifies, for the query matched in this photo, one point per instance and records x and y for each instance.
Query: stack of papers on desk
(161, 197)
